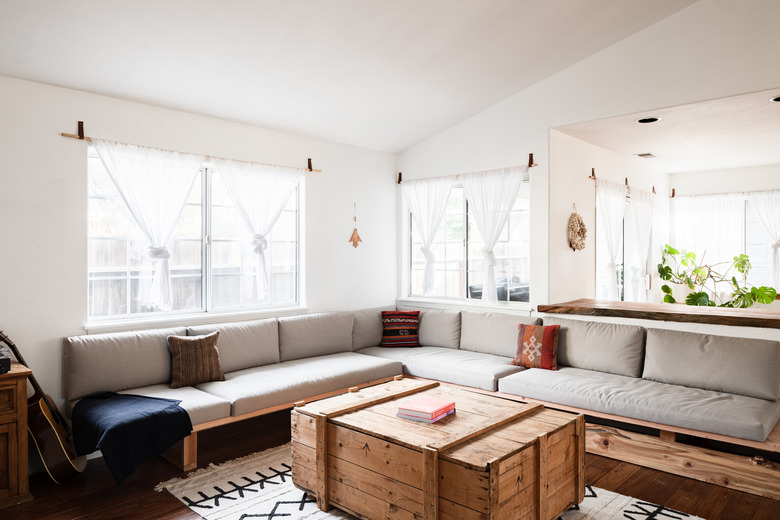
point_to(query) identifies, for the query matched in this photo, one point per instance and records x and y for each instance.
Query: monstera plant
(682, 268)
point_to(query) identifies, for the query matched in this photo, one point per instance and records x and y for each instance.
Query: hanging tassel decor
(355, 238)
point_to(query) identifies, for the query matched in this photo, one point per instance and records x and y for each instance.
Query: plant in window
(682, 268)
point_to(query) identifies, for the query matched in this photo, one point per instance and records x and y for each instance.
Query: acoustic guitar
(50, 432)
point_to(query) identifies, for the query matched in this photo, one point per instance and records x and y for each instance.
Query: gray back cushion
(244, 344)
(367, 327)
(315, 335)
(491, 332)
(440, 328)
(116, 361)
(606, 347)
(741, 366)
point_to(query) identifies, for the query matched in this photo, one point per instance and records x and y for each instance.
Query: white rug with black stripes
(259, 486)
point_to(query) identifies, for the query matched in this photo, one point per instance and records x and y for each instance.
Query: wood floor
(94, 495)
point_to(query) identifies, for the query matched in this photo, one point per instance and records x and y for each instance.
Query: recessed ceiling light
(648, 120)
(775, 99)
(646, 155)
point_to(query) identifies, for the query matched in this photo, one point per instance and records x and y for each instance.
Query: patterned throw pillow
(194, 360)
(400, 329)
(537, 346)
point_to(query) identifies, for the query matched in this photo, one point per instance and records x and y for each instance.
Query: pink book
(426, 407)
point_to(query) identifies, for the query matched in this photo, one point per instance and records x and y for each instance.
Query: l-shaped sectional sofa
(658, 385)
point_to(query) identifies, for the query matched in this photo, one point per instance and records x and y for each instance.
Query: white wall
(726, 181)
(574, 271)
(43, 208)
(712, 49)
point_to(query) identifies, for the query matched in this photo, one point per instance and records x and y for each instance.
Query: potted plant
(703, 280)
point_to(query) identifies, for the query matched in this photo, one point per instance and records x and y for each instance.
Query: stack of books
(426, 409)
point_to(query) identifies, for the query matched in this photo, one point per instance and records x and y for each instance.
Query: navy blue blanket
(128, 429)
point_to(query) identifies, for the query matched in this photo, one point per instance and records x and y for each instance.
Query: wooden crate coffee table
(494, 458)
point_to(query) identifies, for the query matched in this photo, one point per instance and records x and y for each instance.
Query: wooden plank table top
(482, 427)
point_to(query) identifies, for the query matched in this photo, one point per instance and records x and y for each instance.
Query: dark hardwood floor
(93, 494)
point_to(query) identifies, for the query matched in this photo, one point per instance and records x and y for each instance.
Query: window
(721, 226)
(459, 266)
(212, 267)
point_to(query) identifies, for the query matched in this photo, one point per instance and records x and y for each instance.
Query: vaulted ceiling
(377, 74)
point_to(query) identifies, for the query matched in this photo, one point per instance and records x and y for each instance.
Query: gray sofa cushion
(742, 366)
(201, 406)
(273, 385)
(726, 414)
(607, 347)
(116, 361)
(491, 332)
(440, 328)
(244, 344)
(367, 327)
(315, 335)
(445, 364)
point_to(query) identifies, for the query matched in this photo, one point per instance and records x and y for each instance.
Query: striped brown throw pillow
(194, 360)
(400, 329)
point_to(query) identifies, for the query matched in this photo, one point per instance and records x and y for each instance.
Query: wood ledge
(667, 312)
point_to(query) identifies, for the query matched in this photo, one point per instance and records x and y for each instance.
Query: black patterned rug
(259, 486)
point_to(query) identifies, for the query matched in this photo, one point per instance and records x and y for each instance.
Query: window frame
(405, 278)
(206, 312)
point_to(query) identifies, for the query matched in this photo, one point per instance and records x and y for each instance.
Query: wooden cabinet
(14, 482)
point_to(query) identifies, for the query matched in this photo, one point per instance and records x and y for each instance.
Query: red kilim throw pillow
(400, 329)
(537, 346)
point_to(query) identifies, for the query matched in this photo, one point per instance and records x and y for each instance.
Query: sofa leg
(184, 454)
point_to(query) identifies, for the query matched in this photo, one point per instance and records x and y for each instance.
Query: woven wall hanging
(578, 232)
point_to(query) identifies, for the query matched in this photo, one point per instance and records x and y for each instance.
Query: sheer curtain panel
(491, 195)
(261, 192)
(766, 207)
(611, 204)
(427, 201)
(641, 208)
(155, 185)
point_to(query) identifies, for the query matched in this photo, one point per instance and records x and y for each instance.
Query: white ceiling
(380, 74)
(720, 134)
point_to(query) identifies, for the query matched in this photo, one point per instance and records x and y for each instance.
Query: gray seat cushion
(705, 410)
(744, 366)
(492, 332)
(606, 347)
(201, 406)
(257, 388)
(244, 344)
(445, 364)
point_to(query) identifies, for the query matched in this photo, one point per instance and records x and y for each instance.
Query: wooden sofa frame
(751, 474)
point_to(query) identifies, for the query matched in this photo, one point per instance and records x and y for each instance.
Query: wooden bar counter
(752, 317)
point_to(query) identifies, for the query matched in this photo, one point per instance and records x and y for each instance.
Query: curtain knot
(490, 258)
(428, 254)
(158, 253)
(259, 243)
(776, 245)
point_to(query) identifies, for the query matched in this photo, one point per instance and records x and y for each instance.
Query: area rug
(260, 486)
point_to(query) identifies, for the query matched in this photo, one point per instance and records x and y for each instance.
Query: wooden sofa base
(184, 454)
(754, 475)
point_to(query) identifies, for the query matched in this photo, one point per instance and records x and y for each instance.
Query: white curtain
(491, 196)
(766, 207)
(427, 201)
(155, 185)
(261, 192)
(709, 225)
(610, 204)
(641, 209)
